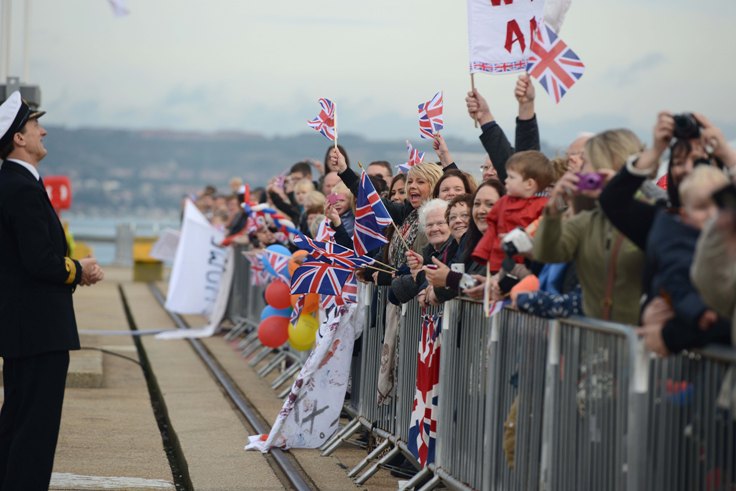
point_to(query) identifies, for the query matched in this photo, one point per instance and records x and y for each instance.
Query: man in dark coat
(37, 324)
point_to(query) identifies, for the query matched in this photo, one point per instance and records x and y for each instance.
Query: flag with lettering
(371, 218)
(430, 117)
(553, 63)
(423, 422)
(326, 120)
(499, 34)
(311, 411)
(415, 157)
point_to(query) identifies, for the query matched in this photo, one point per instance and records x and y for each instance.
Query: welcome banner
(499, 33)
(198, 266)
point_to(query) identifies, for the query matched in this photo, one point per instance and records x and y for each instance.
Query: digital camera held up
(686, 127)
(590, 181)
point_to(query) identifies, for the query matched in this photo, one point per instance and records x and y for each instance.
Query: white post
(6, 23)
(26, 40)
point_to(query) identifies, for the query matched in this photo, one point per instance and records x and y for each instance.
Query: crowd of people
(615, 230)
(606, 231)
(592, 233)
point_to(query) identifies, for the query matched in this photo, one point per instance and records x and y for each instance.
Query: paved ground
(109, 437)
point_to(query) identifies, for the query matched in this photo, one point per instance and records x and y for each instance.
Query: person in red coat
(528, 175)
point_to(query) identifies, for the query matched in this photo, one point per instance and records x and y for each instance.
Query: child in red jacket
(529, 174)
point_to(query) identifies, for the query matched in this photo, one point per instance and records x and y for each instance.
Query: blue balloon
(269, 311)
(279, 249)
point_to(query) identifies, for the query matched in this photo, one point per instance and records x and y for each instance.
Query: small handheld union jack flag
(326, 120)
(319, 277)
(430, 117)
(332, 253)
(371, 217)
(556, 66)
(415, 157)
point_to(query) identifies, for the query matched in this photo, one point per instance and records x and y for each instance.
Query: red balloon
(278, 295)
(273, 331)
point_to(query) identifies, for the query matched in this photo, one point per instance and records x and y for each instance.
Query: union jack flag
(371, 217)
(297, 311)
(349, 295)
(319, 277)
(415, 157)
(258, 275)
(325, 232)
(423, 429)
(430, 117)
(325, 122)
(277, 265)
(556, 66)
(331, 253)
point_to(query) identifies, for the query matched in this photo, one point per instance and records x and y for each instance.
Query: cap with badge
(14, 114)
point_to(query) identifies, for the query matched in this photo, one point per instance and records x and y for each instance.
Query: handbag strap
(611, 278)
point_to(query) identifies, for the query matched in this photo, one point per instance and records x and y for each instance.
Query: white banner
(311, 411)
(499, 33)
(198, 266)
(218, 311)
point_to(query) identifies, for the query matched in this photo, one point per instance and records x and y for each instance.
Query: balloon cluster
(275, 328)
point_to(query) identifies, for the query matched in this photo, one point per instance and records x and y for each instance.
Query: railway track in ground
(284, 465)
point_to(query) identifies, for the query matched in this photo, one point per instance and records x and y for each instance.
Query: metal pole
(26, 40)
(6, 38)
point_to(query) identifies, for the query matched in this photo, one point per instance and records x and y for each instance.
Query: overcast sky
(261, 66)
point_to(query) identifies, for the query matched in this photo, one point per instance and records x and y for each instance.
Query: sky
(261, 66)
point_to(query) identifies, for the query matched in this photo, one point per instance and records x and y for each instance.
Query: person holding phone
(608, 265)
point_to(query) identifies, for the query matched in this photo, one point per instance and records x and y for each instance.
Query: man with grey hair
(574, 153)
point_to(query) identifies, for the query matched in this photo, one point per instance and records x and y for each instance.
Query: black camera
(686, 127)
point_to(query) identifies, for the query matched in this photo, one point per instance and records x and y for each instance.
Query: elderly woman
(609, 266)
(433, 224)
(448, 281)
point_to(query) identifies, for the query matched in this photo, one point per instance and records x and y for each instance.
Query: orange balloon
(311, 302)
(296, 260)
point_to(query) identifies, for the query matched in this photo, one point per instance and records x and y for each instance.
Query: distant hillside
(147, 172)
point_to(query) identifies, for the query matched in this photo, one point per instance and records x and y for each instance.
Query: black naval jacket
(37, 278)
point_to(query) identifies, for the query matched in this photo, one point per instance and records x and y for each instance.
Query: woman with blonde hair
(608, 265)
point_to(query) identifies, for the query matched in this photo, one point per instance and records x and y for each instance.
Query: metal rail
(290, 470)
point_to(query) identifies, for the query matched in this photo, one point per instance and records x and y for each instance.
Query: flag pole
(472, 88)
(335, 106)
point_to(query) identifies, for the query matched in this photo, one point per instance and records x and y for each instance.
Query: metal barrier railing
(462, 402)
(593, 407)
(529, 403)
(690, 432)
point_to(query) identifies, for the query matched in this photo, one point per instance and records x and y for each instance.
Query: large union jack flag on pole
(430, 117)
(415, 157)
(424, 414)
(326, 120)
(556, 66)
(371, 217)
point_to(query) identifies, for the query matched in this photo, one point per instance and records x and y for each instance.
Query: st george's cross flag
(552, 63)
(415, 157)
(326, 120)
(430, 117)
(424, 414)
(371, 218)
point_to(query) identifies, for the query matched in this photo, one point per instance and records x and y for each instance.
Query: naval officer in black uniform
(37, 325)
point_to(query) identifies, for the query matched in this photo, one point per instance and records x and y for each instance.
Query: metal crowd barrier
(528, 403)
(690, 433)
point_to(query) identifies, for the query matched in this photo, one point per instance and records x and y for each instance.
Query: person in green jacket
(609, 266)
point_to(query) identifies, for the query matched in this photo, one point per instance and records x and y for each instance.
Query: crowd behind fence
(530, 403)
